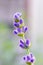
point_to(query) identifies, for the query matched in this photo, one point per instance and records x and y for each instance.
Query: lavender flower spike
(20, 30)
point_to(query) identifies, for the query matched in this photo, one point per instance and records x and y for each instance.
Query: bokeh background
(32, 13)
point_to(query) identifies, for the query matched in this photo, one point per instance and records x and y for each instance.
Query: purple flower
(29, 58)
(21, 21)
(18, 31)
(16, 24)
(15, 32)
(24, 29)
(17, 15)
(25, 44)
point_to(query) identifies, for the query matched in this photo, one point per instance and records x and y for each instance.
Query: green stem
(27, 51)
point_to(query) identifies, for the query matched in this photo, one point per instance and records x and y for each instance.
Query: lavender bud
(16, 24)
(19, 30)
(24, 58)
(28, 58)
(27, 42)
(21, 21)
(21, 41)
(17, 15)
(21, 45)
(15, 32)
(24, 29)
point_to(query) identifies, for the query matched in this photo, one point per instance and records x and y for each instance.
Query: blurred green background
(10, 52)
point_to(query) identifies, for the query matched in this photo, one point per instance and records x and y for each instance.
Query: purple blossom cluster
(20, 30)
(29, 58)
(24, 44)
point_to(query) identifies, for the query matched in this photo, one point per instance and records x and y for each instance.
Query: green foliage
(7, 45)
